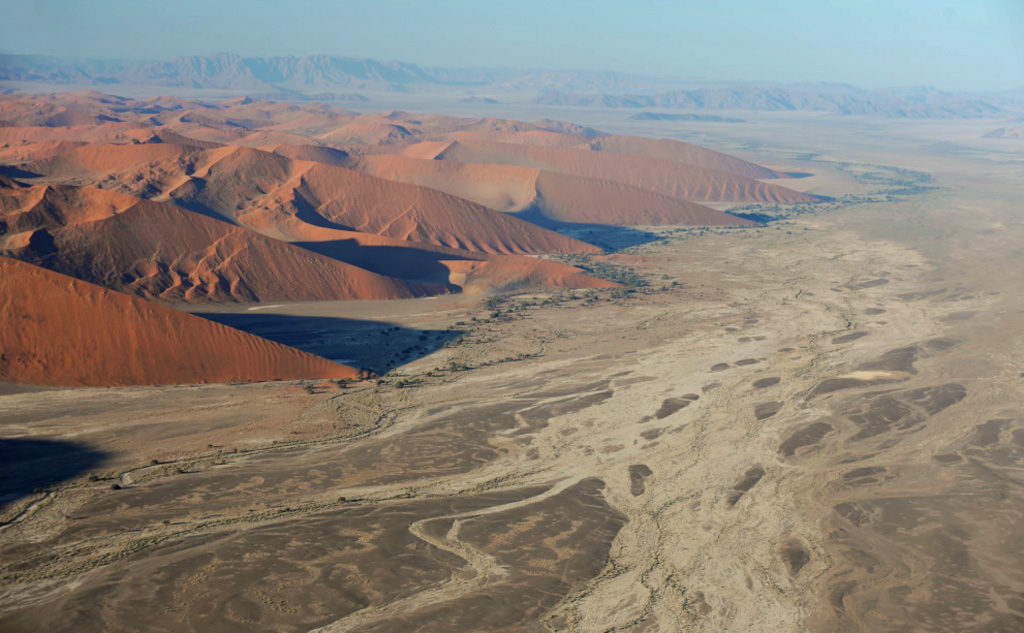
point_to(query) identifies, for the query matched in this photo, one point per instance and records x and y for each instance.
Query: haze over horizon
(947, 44)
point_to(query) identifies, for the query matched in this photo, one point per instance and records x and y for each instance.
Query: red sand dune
(419, 220)
(61, 331)
(500, 187)
(656, 175)
(166, 135)
(368, 134)
(25, 151)
(158, 251)
(470, 271)
(25, 208)
(105, 133)
(42, 114)
(315, 153)
(373, 205)
(531, 137)
(272, 194)
(665, 149)
(551, 195)
(568, 198)
(315, 122)
(680, 152)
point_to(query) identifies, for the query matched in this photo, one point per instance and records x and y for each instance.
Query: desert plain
(812, 424)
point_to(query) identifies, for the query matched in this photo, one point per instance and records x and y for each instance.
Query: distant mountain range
(313, 73)
(329, 78)
(850, 101)
(671, 116)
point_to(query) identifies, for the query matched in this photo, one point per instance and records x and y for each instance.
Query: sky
(952, 45)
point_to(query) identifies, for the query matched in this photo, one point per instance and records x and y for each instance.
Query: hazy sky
(951, 44)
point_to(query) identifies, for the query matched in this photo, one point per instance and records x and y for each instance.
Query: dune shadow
(760, 218)
(10, 171)
(372, 345)
(609, 237)
(307, 212)
(410, 264)
(28, 465)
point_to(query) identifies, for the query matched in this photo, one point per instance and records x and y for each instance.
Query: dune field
(293, 368)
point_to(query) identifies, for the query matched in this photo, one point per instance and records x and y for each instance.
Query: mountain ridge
(320, 77)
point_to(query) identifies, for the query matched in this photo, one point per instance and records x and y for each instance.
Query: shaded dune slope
(680, 152)
(161, 252)
(656, 175)
(664, 149)
(550, 195)
(272, 194)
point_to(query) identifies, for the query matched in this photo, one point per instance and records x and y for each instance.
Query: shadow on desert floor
(374, 345)
(28, 465)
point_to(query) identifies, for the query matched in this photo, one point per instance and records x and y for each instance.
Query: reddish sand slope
(500, 187)
(26, 151)
(665, 149)
(374, 205)
(656, 175)
(531, 137)
(25, 208)
(551, 195)
(368, 134)
(42, 114)
(568, 198)
(61, 331)
(272, 194)
(105, 133)
(161, 252)
(315, 153)
(680, 152)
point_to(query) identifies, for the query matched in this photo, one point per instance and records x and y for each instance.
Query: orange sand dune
(258, 138)
(551, 195)
(205, 133)
(656, 175)
(680, 152)
(24, 152)
(105, 133)
(245, 113)
(61, 331)
(567, 198)
(314, 123)
(98, 159)
(25, 209)
(41, 114)
(531, 137)
(315, 153)
(665, 149)
(428, 150)
(440, 127)
(468, 270)
(271, 194)
(368, 134)
(166, 135)
(220, 135)
(213, 135)
(374, 205)
(500, 187)
(158, 251)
